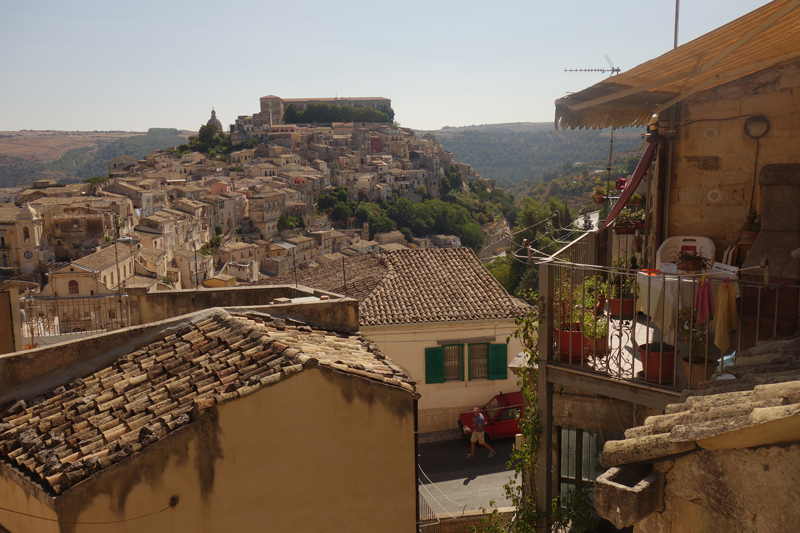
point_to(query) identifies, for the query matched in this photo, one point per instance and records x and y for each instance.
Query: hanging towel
(703, 301)
(726, 319)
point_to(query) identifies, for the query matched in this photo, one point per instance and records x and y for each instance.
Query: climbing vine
(577, 512)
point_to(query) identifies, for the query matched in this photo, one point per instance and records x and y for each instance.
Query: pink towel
(704, 301)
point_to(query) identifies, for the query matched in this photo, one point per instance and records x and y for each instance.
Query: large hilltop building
(272, 108)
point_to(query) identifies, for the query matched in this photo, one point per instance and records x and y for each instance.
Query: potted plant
(595, 335)
(599, 192)
(697, 366)
(568, 310)
(635, 199)
(625, 223)
(691, 261)
(620, 287)
(753, 224)
(658, 360)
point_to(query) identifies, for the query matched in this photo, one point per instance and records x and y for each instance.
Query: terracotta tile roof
(106, 256)
(761, 406)
(413, 286)
(71, 432)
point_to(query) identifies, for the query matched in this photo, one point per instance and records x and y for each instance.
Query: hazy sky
(110, 65)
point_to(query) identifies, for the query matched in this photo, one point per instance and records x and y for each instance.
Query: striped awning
(762, 38)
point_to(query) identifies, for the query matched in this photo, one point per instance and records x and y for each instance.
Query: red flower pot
(621, 307)
(596, 347)
(570, 344)
(658, 366)
(598, 198)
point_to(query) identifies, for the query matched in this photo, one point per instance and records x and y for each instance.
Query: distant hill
(518, 155)
(91, 161)
(26, 156)
(17, 172)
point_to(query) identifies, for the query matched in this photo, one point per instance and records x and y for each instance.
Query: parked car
(501, 415)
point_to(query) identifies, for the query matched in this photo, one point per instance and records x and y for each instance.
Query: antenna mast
(611, 68)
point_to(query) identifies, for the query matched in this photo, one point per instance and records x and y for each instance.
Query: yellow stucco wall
(13, 496)
(441, 402)
(318, 451)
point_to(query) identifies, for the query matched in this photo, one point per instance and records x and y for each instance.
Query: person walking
(477, 434)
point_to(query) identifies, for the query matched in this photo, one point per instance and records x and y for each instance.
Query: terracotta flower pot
(697, 372)
(596, 347)
(694, 265)
(658, 366)
(570, 344)
(621, 307)
(598, 198)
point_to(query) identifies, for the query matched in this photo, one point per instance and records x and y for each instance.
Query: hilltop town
(276, 199)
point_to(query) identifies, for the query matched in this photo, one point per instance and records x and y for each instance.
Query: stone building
(725, 459)
(722, 129)
(439, 314)
(175, 428)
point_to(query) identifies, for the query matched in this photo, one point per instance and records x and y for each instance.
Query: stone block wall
(754, 489)
(714, 161)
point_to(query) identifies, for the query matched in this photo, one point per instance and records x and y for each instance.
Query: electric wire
(437, 488)
(172, 503)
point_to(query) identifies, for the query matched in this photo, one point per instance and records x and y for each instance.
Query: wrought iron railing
(639, 325)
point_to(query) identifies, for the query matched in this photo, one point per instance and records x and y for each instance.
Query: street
(450, 482)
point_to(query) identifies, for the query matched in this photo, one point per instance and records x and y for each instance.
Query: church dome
(214, 121)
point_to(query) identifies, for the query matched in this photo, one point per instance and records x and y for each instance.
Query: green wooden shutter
(498, 361)
(434, 365)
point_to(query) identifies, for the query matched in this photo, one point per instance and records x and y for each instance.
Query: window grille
(478, 361)
(454, 363)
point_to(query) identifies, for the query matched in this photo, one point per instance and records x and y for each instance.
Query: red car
(500, 415)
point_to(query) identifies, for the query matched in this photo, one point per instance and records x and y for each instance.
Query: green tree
(292, 114)
(386, 110)
(283, 223)
(341, 212)
(381, 224)
(206, 134)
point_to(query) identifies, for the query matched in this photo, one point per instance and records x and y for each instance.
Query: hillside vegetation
(518, 156)
(27, 156)
(91, 161)
(16, 172)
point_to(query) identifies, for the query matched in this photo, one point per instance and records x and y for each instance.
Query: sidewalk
(439, 436)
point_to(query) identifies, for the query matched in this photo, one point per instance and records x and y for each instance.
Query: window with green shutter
(454, 362)
(434, 365)
(478, 361)
(498, 361)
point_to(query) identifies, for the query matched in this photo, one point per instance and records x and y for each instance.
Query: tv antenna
(611, 68)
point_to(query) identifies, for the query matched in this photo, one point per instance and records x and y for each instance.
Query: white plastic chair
(670, 248)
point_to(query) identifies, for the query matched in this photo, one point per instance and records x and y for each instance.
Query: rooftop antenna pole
(677, 11)
(611, 68)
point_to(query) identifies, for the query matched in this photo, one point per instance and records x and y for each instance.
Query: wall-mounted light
(756, 126)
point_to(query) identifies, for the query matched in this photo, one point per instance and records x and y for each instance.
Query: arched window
(124, 270)
(105, 281)
(112, 278)
(73, 287)
(26, 234)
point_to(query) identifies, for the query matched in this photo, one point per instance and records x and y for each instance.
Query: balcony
(596, 321)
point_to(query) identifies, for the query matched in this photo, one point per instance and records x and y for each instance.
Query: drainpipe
(668, 176)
